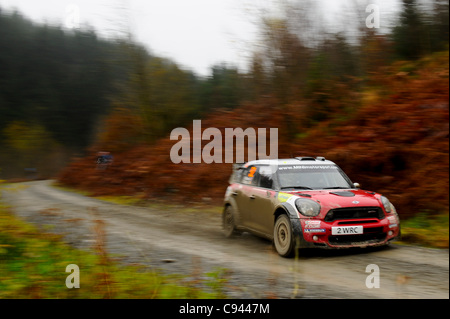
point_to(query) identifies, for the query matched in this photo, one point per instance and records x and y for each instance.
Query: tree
(408, 35)
(439, 25)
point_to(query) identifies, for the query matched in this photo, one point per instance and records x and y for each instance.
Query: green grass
(33, 265)
(426, 229)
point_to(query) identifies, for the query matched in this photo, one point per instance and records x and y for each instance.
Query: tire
(282, 236)
(228, 222)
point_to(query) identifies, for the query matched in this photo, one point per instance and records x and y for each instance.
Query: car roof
(292, 161)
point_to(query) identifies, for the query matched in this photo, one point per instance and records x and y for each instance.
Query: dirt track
(177, 241)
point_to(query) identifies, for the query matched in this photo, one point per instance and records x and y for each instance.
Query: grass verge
(426, 229)
(33, 265)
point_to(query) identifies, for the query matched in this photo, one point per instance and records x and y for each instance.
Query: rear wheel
(282, 236)
(228, 222)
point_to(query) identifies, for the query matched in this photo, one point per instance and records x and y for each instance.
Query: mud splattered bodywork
(306, 203)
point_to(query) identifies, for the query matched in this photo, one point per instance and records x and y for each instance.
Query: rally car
(306, 202)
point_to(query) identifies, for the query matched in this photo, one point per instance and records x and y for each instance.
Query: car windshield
(312, 177)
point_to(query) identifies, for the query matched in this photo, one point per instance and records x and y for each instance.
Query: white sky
(194, 33)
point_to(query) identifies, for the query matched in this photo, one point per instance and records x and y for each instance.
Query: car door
(241, 193)
(261, 203)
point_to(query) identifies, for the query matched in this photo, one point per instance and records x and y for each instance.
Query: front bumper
(316, 233)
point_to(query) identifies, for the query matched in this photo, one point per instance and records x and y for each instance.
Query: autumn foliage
(395, 143)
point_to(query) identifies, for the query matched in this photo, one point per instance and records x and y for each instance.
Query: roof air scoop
(306, 158)
(310, 158)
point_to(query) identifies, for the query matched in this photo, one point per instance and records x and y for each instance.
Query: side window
(236, 176)
(261, 176)
(249, 174)
(255, 173)
(265, 177)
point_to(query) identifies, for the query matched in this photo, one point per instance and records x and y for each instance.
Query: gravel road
(190, 242)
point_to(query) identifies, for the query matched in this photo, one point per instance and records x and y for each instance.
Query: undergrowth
(427, 230)
(33, 265)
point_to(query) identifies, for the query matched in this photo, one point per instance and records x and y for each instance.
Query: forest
(375, 103)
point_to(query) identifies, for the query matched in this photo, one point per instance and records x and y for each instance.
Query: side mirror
(356, 185)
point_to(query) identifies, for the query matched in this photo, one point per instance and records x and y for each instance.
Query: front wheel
(282, 236)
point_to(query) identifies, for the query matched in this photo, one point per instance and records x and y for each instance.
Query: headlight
(387, 204)
(307, 207)
(393, 210)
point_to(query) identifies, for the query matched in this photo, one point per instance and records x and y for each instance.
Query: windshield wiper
(301, 187)
(336, 187)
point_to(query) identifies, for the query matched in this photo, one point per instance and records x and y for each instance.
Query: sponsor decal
(315, 230)
(281, 168)
(252, 171)
(312, 224)
(283, 197)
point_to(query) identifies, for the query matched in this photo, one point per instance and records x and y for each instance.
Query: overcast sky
(194, 33)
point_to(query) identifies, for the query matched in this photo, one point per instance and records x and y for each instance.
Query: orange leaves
(122, 128)
(395, 144)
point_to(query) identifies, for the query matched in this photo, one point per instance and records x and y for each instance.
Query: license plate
(347, 230)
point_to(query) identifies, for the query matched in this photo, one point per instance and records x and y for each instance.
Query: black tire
(228, 222)
(283, 238)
